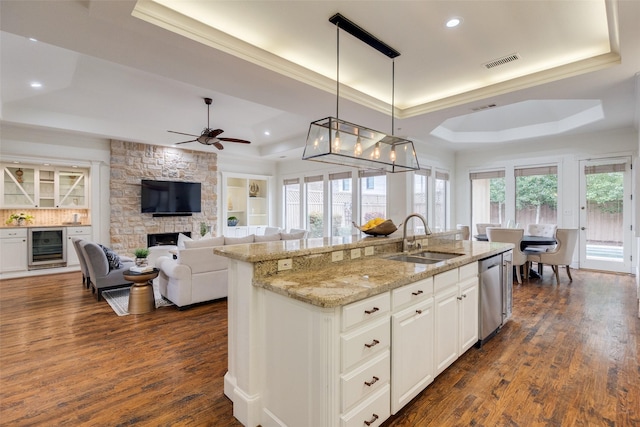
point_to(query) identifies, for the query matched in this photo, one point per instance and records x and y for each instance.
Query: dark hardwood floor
(570, 356)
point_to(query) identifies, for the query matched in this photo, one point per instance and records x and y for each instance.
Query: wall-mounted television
(164, 198)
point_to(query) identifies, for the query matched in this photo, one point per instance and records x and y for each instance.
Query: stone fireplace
(130, 162)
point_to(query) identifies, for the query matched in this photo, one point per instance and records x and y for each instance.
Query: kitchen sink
(437, 255)
(414, 259)
(424, 257)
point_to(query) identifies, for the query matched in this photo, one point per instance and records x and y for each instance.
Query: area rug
(118, 299)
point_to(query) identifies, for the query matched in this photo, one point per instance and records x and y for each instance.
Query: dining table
(526, 240)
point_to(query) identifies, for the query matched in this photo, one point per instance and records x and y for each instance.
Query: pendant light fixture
(332, 140)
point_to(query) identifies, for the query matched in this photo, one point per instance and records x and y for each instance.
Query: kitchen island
(331, 332)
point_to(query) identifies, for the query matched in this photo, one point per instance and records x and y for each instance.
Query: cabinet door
(446, 327)
(412, 352)
(72, 189)
(14, 254)
(469, 306)
(18, 187)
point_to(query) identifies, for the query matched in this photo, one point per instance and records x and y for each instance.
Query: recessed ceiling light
(453, 22)
(36, 85)
(33, 39)
(267, 133)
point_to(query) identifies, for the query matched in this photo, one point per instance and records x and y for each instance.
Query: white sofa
(196, 274)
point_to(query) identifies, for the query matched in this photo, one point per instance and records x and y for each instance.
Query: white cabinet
(247, 198)
(456, 314)
(411, 352)
(469, 298)
(13, 249)
(35, 187)
(83, 232)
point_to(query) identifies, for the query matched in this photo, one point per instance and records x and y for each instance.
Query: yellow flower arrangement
(19, 218)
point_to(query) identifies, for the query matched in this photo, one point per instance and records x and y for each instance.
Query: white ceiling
(271, 66)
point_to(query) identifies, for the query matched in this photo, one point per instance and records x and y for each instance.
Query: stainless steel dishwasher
(490, 273)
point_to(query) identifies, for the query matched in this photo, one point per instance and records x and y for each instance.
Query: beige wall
(131, 162)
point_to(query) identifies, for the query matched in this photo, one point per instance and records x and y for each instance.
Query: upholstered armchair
(561, 255)
(83, 264)
(103, 274)
(482, 227)
(510, 235)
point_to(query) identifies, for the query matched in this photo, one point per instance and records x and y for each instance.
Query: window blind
(617, 167)
(540, 170)
(340, 175)
(486, 175)
(442, 175)
(316, 178)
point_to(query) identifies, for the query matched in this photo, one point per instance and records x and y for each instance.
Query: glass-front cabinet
(246, 204)
(47, 187)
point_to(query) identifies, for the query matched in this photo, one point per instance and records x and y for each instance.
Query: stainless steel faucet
(405, 244)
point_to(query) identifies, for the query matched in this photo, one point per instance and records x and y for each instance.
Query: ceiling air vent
(483, 107)
(502, 61)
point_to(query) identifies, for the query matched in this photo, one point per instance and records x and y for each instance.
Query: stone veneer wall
(130, 162)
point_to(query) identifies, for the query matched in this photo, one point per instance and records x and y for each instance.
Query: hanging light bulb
(376, 151)
(336, 142)
(357, 150)
(392, 156)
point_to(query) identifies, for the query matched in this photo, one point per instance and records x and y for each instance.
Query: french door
(605, 214)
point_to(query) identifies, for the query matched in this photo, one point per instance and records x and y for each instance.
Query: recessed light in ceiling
(453, 22)
(31, 39)
(267, 133)
(36, 85)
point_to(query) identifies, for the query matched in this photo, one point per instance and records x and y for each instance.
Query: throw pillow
(292, 236)
(181, 239)
(238, 240)
(112, 258)
(267, 238)
(204, 243)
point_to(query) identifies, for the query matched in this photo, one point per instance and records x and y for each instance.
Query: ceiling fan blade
(181, 133)
(214, 132)
(218, 145)
(241, 141)
(184, 142)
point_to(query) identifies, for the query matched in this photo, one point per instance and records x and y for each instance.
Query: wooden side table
(141, 299)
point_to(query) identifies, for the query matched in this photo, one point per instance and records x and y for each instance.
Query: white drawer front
(365, 342)
(372, 412)
(74, 231)
(13, 232)
(367, 309)
(365, 379)
(412, 293)
(443, 280)
(468, 271)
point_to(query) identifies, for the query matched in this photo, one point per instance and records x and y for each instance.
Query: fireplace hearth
(163, 239)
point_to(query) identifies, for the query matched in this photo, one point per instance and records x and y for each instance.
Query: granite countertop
(345, 282)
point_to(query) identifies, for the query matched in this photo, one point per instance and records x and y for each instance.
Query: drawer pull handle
(375, 342)
(416, 293)
(372, 420)
(419, 311)
(372, 382)
(373, 310)
(459, 298)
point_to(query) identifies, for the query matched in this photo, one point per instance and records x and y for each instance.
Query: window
(314, 190)
(536, 195)
(291, 199)
(441, 205)
(487, 198)
(341, 204)
(373, 195)
(420, 197)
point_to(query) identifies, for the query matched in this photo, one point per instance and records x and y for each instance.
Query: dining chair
(482, 227)
(510, 235)
(561, 255)
(466, 234)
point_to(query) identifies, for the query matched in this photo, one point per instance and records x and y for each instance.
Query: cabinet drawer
(13, 232)
(365, 342)
(74, 231)
(367, 309)
(414, 292)
(468, 271)
(443, 280)
(372, 412)
(365, 380)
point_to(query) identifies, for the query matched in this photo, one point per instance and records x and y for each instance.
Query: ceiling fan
(210, 136)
